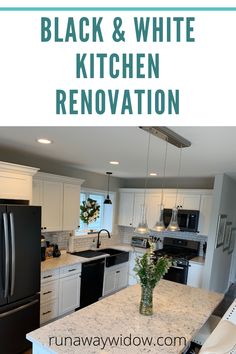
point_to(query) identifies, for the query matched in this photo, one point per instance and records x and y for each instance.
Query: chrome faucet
(98, 241)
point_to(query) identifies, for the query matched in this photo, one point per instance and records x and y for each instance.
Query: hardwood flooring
(226, 302)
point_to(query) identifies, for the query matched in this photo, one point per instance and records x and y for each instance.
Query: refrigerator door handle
(7, 255)
(13, 253)
(11, 312)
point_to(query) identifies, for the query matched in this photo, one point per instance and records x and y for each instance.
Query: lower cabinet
(60, 292)
(115, 278)
(69, 293)
(195, 274)
(132, 275)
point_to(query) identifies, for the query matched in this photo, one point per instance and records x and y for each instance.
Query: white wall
(218, 263)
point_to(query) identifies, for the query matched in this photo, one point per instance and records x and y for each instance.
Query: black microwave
(187, 219)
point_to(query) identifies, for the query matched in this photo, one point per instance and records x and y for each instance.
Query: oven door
(177, 273)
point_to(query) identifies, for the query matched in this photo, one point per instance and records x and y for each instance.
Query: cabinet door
(205, 214)
(109, 282)
(122, 277)
(69, 293)
(138, 203)
(52, 205)
(132, 277)
(71, 206)
(195, 275)
(37, 197)
(189, 201)
(169, 200)
(126, 209)
(153, 208)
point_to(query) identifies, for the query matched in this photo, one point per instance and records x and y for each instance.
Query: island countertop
(179, 311)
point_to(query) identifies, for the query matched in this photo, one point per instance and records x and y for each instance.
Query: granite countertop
(179, 311)
(62, 261)
(69, 259)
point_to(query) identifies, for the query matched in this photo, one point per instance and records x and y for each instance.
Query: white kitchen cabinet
(188, 201)
(138, 203)
(49, 195)
(115, 278)
(16, 181)
(205, 214)
(52, 205)
(59, 198)
(49, 295)
(132, 276)
(153, 208)
(184, 200)
(48, 311)
(169, 200)
(71, 206)
(126, 209)
(195, 274)
(60, 292)
(69, 293)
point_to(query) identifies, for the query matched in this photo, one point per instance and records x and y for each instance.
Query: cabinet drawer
(49, 291)
(49, 275)
(48, 311)
(70, 270)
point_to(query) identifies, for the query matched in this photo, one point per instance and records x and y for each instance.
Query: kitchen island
(179, 312)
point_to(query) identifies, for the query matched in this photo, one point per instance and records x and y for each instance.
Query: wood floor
(226, 302)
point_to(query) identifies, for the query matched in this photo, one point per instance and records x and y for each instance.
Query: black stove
(180, 251)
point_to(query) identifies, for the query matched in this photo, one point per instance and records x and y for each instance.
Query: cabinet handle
(71, 270)
(130, 223)
(47, 292)
(118, 271)
(47, 276)
(45, 228)
(45, 313)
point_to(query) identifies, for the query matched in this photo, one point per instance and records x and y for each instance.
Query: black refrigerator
(20, 229)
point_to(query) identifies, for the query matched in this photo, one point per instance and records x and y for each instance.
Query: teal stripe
(10, 9)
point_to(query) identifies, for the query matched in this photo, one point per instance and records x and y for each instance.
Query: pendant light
(142, 227)
(173, 225)
(108, 200)
(160, 226)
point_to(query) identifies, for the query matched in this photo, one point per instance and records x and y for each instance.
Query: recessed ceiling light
(153, 174)
(114, 162)
(44, 141)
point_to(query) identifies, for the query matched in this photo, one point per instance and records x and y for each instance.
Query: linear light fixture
(167, 134)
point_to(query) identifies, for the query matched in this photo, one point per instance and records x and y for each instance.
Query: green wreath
(89, 211)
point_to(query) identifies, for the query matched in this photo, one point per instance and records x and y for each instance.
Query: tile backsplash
(123, 234)
(64, 239)
(126, 234)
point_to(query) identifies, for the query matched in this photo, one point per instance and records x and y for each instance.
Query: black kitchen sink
(111, 251)
(115, 256)
(89, 253)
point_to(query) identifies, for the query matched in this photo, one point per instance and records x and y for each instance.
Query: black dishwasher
(91, 282)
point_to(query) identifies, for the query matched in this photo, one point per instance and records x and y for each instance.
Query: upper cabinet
(71, 206)
(132, 199)
(59, 198)
(126, 209)
(16, 181)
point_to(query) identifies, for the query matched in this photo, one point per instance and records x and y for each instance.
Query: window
(105, 215)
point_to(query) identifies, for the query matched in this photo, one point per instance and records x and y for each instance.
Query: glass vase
(146, 303)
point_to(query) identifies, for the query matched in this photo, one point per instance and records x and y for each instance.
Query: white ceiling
(213, 149)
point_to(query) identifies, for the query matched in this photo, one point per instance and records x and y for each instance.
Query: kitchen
(60, 188)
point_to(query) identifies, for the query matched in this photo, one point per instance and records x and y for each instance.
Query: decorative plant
(89, 211)
(149, 272)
